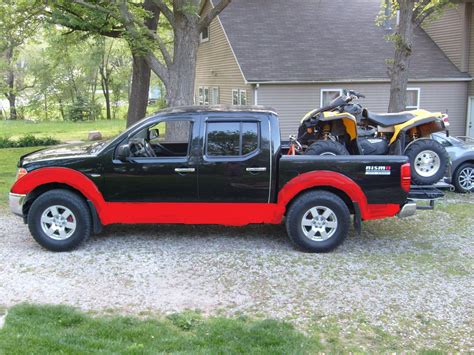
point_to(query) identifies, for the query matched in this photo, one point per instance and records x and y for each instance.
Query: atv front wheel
(326, 148)
(429, 161)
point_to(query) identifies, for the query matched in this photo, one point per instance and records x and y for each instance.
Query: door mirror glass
(123, 152)
(153, 133)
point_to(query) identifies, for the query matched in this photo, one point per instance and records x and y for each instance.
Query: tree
(173, 64)
(16, 26)
(412, 14)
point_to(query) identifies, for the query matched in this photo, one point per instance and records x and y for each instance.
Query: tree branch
(216, 10)
(159, 68)
(166, 11)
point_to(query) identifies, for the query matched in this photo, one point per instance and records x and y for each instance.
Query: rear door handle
(256, 170)
(184, 170)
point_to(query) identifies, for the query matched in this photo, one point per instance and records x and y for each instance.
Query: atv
(343, 127)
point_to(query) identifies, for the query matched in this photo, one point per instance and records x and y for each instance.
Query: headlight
(20, 173)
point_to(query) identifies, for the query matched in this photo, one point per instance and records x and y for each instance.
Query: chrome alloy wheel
(427, 163)
(58, 222)
(466, 178)
(319, 223)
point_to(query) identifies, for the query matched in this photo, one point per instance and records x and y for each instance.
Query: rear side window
(231, 138)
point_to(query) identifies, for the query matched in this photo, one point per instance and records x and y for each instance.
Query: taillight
(446, 120)
(406, 177)
(21, 172)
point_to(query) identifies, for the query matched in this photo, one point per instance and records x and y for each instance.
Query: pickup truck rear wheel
(59, 220)
(318, 221)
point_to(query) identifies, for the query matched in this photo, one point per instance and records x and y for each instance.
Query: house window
(206, 95)
(200, 99)
(203, 95)
(205, 35)
(413, 99)
(327, 95)
(239, 97)
(231, 138)
(215, 99)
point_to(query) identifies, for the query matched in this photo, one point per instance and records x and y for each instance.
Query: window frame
(418, 97)
(203, 39)
(233, 92)
(240, 97)
(323, 90)
(232, 157)
(217, 97)
(200, 95)
(206, 97)
(182, 158)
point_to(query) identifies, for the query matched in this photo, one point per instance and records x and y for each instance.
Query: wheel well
(461, 164)
(341, 194)
(37, 192)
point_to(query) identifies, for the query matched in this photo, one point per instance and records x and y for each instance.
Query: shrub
(27, 141)
(81, 110)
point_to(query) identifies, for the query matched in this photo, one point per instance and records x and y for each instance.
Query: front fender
(66, 176)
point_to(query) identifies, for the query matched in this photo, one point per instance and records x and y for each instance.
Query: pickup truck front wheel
(59, 220)
(318, 221)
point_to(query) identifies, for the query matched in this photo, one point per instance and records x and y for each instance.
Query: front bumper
(16, 202)
(407, 210)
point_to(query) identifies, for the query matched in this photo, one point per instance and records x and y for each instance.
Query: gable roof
(322, 40)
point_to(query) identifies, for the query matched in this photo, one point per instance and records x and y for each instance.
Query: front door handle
(184, 170)
(256, 170)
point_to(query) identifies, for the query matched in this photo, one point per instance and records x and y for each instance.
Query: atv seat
(389, 119)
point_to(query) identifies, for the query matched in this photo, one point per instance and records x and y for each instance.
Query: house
(295, 55)
(453, 32)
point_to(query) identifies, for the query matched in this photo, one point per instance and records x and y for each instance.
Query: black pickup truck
(205, 165)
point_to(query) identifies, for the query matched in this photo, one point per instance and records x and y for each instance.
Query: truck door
(236, 158)
(169, 176)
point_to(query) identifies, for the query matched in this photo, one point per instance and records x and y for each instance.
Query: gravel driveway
(411, 278)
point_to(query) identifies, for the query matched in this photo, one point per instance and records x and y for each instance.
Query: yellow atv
(344, 128)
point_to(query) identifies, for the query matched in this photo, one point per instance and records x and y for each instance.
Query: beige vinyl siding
(292, 102)
(217, 66)
(471, 52)
(447, 31)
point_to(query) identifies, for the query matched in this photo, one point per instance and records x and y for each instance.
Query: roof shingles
(322, 40)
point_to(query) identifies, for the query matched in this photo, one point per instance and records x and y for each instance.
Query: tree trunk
(403, 41)
(138, 99)
(10, 81)
(141, 73)
(180, 84)
(12, 103)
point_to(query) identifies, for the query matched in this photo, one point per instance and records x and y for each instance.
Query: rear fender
(427, 126)
(339, 182)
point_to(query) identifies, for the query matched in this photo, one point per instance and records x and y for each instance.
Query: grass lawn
(59, 329)
(8, 159)
(64, 131)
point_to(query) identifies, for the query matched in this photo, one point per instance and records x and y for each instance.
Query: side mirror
(153, 134)
(123, 152)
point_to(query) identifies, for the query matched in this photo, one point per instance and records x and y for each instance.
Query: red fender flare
(339, 182)
(66, 176)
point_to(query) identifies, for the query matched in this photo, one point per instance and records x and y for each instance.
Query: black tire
(298, 212)
(429, 145)
(459, 174)
(326, 148)
(80, 215)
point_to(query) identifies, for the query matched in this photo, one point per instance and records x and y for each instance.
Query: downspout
(255, 94)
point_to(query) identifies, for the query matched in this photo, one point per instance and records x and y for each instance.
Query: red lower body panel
(232, 214)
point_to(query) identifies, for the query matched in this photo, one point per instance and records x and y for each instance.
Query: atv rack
(425, 193)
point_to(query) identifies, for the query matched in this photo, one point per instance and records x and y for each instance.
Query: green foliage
(82, 109)
(27, 141)
(60, 329)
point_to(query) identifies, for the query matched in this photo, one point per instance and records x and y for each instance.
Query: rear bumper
(407, 210)
(16, 202)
